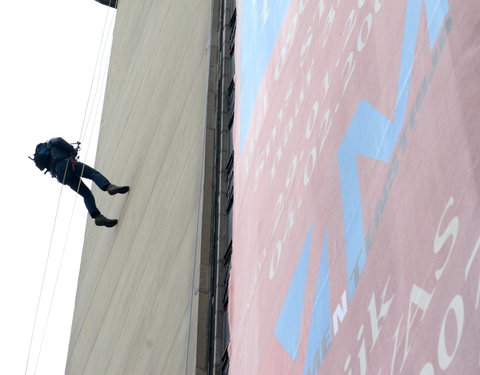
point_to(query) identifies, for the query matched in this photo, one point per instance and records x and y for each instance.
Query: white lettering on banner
(307, 42)
(376, 320)
(301, 6)
(346, 365)
(320, 132)
(318, 125)
(326, 86)
(325, 129)
(310, 122)
(339, 313)
(301, 96)
(440, 240)
(288, 131)
(310, 166)
(445, 358)
(374, 326)
(276, 161)
(259, 170)
(260, 264)
(445, 236)
(275, 260)
(327, 27)
(374, 317)
(360, 41)
(346, 73)
(351, 20)
(287, 46)
(277, 211)
(377, 6)
(257, 124)
(421, 299)
(446, 351)
(427, 369)
(265, 12)
(321, 9)
(467, 270)
(290, 222)
(362, 356)
(303, 58)
(291, 172)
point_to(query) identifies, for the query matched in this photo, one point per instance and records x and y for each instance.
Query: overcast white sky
(48, 53)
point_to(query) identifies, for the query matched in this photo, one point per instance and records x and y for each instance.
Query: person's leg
(68, 174)
(79, 187)
(84, 170)
(89, 200)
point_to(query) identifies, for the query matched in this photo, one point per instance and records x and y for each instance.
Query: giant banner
(357, 168)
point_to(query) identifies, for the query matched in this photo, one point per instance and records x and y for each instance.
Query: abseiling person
(58, 157)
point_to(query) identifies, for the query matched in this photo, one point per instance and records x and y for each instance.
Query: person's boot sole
(120, 190)
(108, 224)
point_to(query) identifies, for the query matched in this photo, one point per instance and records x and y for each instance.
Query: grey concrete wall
(135, 312)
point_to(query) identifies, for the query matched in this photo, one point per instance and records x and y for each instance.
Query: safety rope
(58, 272)
(103, 46)
(81, 136)
(43, 279)
(104, 43)
(91, 132)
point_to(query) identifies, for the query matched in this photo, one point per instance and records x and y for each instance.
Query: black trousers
(71, 174)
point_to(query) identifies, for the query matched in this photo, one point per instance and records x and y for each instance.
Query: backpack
(42, 157)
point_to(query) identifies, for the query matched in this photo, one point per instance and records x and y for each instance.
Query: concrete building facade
(147, 299)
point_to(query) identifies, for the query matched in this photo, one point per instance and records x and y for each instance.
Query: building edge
(216, 242)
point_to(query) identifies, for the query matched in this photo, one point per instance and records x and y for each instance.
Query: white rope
(58, 271)
(103, 46)
(44, 274)
(95, 96)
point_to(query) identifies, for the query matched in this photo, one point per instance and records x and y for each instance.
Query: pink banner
(356, 217)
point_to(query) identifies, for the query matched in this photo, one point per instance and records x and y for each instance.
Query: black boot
(110, 3)
(102, 221)
(114, 189)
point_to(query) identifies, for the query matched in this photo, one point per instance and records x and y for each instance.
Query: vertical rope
(58, 208)
(93, 78)
(44, 274)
